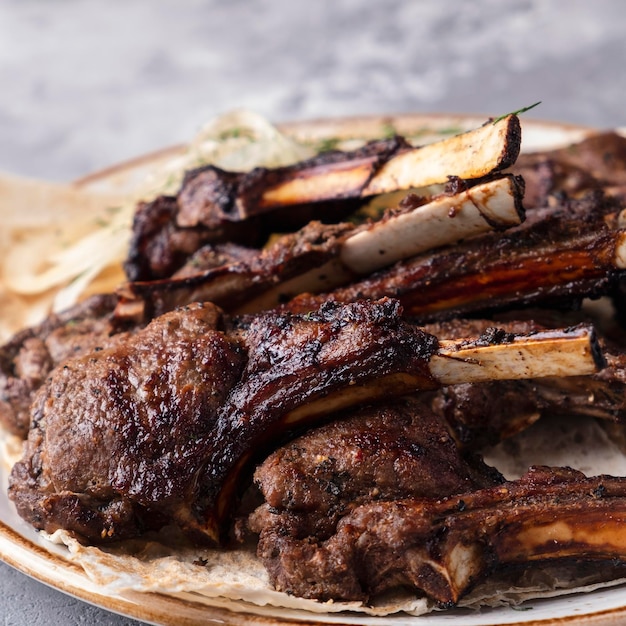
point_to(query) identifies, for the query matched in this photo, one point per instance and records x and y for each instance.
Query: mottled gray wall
(85, 84)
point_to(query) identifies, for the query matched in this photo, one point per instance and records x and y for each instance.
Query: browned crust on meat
(444, 547)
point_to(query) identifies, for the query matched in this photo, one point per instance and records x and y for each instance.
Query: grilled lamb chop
(486, 413)
(160, 247)
(260, 282)
(212, 196)
(380, 452)
(214, 205)
(28, 358)
(443, 547)
(557, 256)
(167, 230)
(320, 257)
(117, 433)
(483, 414)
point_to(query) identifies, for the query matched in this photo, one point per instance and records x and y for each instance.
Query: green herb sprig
(518, 112)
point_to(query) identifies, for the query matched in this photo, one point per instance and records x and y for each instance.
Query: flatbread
(81, 236)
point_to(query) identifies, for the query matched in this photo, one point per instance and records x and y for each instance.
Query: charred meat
(557, 256)
(141, 415)
(214, 205)
(117, 433)
(443, 547)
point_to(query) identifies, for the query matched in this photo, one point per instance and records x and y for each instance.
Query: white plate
(21, 547)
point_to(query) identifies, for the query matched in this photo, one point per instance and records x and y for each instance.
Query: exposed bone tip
(566, 352)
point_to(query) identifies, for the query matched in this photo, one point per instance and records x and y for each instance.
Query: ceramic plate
(21, 547)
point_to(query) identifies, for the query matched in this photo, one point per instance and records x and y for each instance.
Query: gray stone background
(86, 84)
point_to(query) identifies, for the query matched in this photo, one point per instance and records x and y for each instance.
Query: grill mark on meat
(380, 452)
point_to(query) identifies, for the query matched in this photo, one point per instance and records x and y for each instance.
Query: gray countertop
(87, 84)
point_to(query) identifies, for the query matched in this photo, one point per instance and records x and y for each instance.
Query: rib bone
(490, 148)
(486, 150)
(535, 356)
(190, 399)
(445, 220)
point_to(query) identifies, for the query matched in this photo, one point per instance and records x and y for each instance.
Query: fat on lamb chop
(117, 432)
(214, 205)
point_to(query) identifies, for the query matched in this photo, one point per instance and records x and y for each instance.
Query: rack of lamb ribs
(217, 353)
(227, 273)
(118, 431)
(214, 205)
